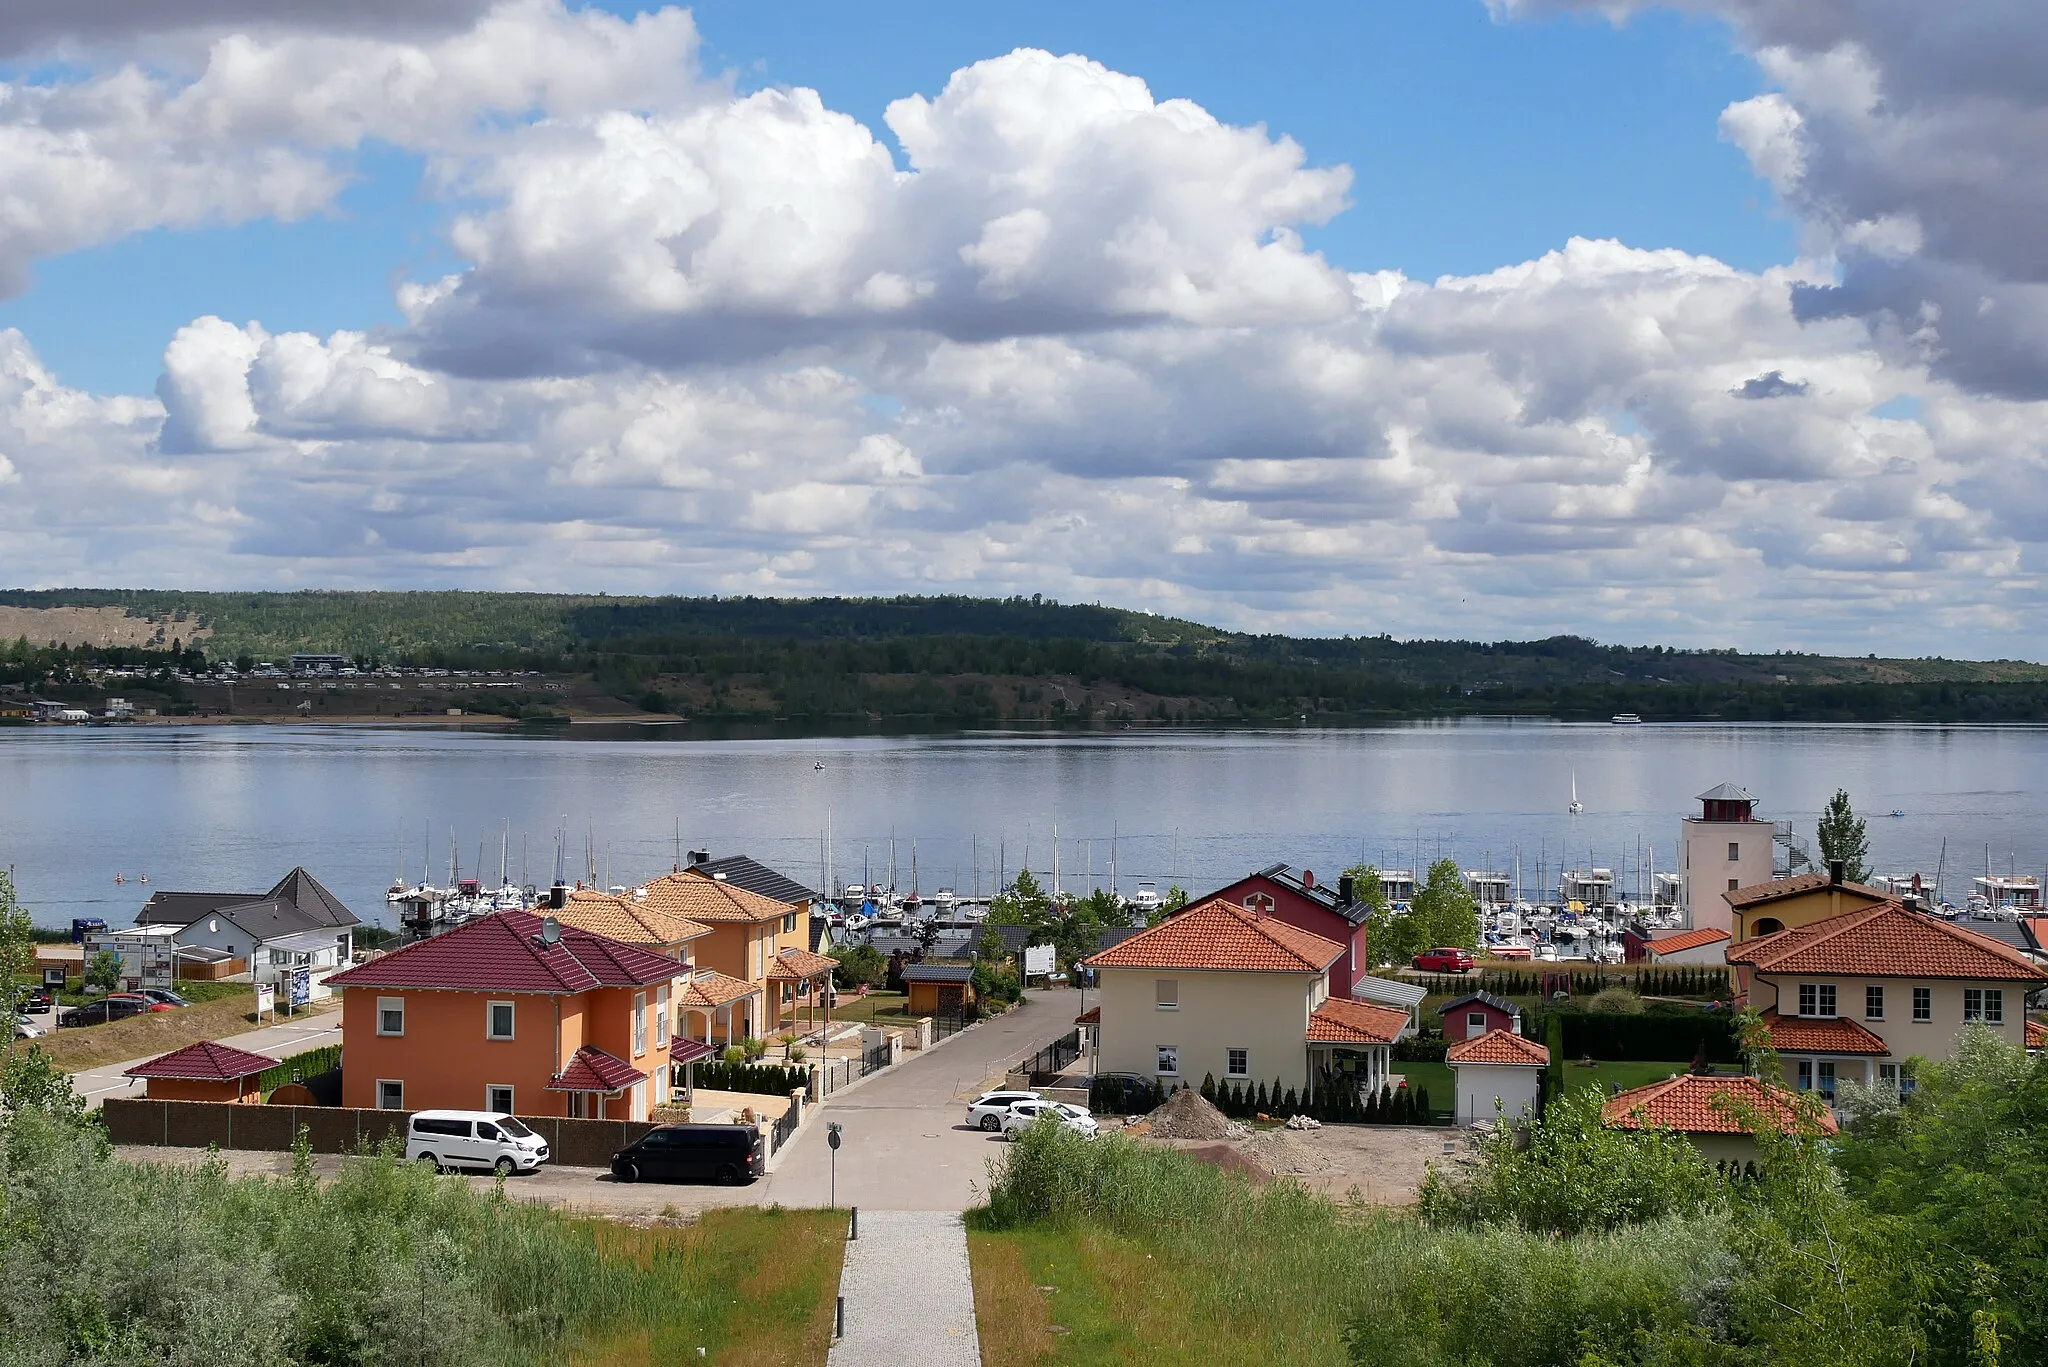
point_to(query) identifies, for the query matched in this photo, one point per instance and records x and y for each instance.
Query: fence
(332, 1129)
(947, 1024)
(1049, 1062)
(786, 1127)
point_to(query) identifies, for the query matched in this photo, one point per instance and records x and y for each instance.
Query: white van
(473, 1139)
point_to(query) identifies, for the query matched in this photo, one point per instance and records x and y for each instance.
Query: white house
(1500, 1074)
(1707, 945)
(298, 924)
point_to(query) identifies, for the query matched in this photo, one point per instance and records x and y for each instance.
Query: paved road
(906, 1145)
(278, 1041)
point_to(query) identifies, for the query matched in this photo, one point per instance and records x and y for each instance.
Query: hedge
(1652, 1035)
(299, 1067)
(1655, 980)
(761, 1079)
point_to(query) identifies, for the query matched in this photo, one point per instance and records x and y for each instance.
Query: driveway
(278, 1041)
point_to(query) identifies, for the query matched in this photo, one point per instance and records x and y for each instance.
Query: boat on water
(1626, 719)
(1146, 898)
(1575, 806)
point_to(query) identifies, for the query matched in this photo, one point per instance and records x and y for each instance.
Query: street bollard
(839, 1318)
(855, 1234)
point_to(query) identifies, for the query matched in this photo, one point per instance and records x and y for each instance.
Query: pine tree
(1259, 1099)
(1209, 1088)
(1372, 1109)
(1843, 837)
(1290, 1105)
(1422, 1107)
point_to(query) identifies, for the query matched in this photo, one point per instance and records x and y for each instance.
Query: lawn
(749, 1287)
(1619, 1075)
(877, 1008)
(158, 1032)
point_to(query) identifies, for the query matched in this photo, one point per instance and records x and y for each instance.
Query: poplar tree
(1843, 837)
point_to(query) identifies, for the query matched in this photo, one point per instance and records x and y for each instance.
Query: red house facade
(1318, 908)
(1479, 1013)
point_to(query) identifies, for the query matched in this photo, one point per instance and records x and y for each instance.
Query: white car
(986, 1111)
(24, 1028)
(1024, 1114)
(451, 1140)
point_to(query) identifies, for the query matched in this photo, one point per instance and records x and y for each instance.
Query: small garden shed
(938, 989)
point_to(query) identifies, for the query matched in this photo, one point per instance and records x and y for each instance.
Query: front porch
(718, 1009)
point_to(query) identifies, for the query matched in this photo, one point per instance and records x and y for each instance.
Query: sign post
(266, 1000)
(832, 1142)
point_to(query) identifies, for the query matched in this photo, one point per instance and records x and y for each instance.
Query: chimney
(1347, 889)
(1837, 870)
(558, 896)
(699, 857)
(1515, 1023)
(1308, 878)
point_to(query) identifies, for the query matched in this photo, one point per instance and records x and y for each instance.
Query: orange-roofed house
(1854, 996)
(1707, 945)
(749, 933)
(1220, 990)
(1719, 1115)
(513, 1012)
(1500, 1075)
(1788, 903)
(206, 1071)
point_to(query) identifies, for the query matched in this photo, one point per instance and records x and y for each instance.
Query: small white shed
(1703, 946)
(1497, 1066)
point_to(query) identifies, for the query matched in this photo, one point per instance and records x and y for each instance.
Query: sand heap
(1187, 1116)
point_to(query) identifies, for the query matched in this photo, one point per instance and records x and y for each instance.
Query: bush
(761, 1079)
(1110, 1095)
(1660, 1032)
(1615, 1001)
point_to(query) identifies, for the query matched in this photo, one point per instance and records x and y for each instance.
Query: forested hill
(985, 659)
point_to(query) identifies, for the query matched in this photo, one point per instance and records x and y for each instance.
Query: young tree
(1176, 898)
(1843, 837)
(1446, 911)
(1391, 937)
(1023, 903)
(104, 971)
(17, 957)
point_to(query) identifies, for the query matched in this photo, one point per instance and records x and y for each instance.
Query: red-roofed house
(1707, 945)
(1718, 1114)
(1857, 994)
(206, 1071)
(1500, 1074)
(1332, 911)
(509, 1013)
(1222, 991)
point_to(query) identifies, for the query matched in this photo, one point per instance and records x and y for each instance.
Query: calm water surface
(234, 807)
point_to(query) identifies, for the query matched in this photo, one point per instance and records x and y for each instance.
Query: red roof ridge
(1686, 939)
(1907, 943)
(1500, 1047)
(1691, 1104)
(503, 952)
(1219, 935)
(206, 1061)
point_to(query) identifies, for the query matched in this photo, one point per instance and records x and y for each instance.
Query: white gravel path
(909, 1295)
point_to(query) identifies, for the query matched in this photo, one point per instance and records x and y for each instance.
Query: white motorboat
(1146, 898)
(1575, 806)
(1626, 719)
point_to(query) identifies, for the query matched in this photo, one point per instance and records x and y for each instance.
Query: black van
(687, 1153)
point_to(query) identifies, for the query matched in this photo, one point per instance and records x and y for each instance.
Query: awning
(685, 1050)
(593, 1070)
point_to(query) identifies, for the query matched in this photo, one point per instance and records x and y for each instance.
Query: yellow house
(1853, 996)
(630, 920)
(754, 960)
(1785, 903)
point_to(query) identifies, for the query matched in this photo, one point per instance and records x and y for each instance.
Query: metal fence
(785, 1127)
(875, 1059)
(1049, 1062)
(947, 1024)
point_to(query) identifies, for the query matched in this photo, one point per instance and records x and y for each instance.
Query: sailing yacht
(1576, 806)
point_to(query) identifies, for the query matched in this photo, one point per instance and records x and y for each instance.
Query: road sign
(832, 1133)
(266, 998)
(1038, 960)
(832, 1142)
(302, 986)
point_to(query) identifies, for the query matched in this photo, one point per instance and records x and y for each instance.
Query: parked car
(1445, 960)
(685, 1153)
(36, 1000)
(162, 997)
(1025, 1114)
(114, 1008)
(142, 1000)
(473, 1139)
(24, 1028)
(986, 1111)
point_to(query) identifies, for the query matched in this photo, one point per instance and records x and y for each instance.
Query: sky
(1711, 323)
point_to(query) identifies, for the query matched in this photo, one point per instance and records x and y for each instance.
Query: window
(1168, 993)
(639, 1022)
(1734, 851)
(1873, 1001)
(1237, 1063)
(1806, 1075)
(390, 1015)
(1169, 1060)
(500, 1018)
(1816, 999)
(1923, 1004)
(1827, 1079)
(1734, 883)
(789, 924)
(1986, 1004)
(661, 1018)
(1888, 1075)
(390, 1095)
(498, 1097)
(639, 1101)
(487, 1131)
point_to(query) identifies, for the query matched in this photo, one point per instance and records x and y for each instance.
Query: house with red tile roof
(1225, 991)
(206, 1071)
(1802, 899)
(1331, 910)
(1721, 1116)
(514, 1012)
(1499, 1075)
(1854, 996)
(1707, 945)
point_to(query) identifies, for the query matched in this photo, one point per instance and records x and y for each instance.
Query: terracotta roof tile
(683, 1049)
(2037, 1035)
(797, 965)
(701, 897)
(1705, 1105)
(1821, 1035)
(710, 988)
(502, 952)
(1798, 885)
(627, 919)
(1217, 935)
(206, 1061)
(1338, 1021)
(1886, 941)
(591, 1069)
(1502, 1048)
(1092, 1016)
(1680, 940)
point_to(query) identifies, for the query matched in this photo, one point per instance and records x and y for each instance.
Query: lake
(234, 807)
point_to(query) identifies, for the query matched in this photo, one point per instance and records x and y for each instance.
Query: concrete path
(905, 1142)
(909, 1294)
(278, 1041)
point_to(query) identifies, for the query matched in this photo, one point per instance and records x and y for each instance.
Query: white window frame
(1985, 1005)
(1824, 1078)
(1804, 1070)
(1230, 1071)
(1166, 994)
(391, 1004)
(1923, 1005)
(384, 1082)
(639, 1024)
(1888, 1075)
(1823, 999)
(1873, 996)
(491, 1020)
(506, 1088)
(1475, 1020)
(1160, 1056)
(661, 1017)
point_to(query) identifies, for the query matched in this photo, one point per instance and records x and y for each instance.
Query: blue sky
(1476, 142)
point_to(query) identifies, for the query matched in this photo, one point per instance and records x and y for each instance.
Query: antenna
(550, 931)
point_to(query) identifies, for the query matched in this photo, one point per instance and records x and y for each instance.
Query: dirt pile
(1287, 1154)
(1187, 1116)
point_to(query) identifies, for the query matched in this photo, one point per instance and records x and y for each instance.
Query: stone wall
(333, 1129)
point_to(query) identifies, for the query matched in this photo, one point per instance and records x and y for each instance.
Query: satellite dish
(550, 931)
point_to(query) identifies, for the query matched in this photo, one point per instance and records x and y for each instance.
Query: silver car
(1025, 1114)
(986, 1111)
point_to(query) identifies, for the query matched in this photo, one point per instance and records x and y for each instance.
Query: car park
(142, 1000)
(473, 1139)
(986, 1111)
(693, 1153)
(100, 1012)
(1024, 1114)
(1445, 960)
(162, 997)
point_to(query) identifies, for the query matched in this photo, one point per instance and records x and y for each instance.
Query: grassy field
(877, 1008)
(158, 1032)
(754, 1288)
(1621, 1075)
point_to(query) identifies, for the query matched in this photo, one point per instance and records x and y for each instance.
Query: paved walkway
(278, 1041)
(909, 1295)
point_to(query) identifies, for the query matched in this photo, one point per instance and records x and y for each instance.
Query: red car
(1445, 961)
(141, 1000)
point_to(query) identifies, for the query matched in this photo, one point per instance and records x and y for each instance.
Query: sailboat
(1576, 806)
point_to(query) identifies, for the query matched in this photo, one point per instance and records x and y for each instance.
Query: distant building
(321, 664)
(1724, 848)
(298, 924)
